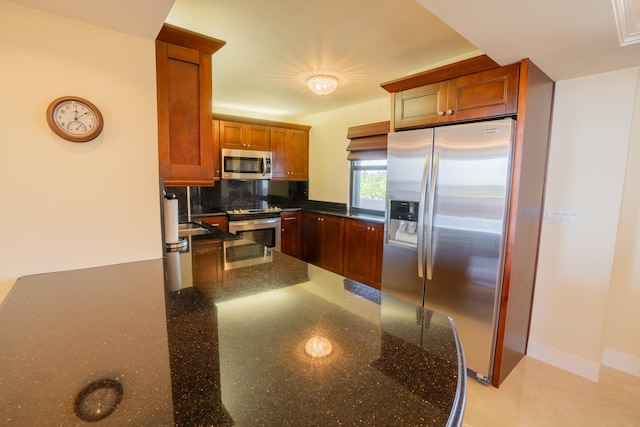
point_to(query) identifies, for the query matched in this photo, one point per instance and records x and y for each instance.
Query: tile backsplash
(233, 194)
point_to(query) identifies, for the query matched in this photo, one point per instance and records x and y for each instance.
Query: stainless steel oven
(244, 253)
(265, 231)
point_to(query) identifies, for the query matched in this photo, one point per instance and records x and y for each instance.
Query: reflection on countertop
(226, 347)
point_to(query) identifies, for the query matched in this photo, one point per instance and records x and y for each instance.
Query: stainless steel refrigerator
(447, 206)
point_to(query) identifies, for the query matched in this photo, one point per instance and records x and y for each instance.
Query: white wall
(65, 205)
(622, 330)
(589, 148)
(328, 166)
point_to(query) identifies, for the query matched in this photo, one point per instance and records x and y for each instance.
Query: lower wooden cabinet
(363, 252)
(323, 238)
(290, 233)
(349, 247)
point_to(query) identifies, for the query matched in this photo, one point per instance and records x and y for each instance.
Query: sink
(191, 229)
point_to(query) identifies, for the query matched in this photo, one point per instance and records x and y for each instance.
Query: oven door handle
(255, 221)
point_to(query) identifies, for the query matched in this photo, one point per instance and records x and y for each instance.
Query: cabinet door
(216, 150)
(331, 243)
(244, 136)
(290, 236)
(185, 138)
(207, 266)
(363, 252)
(297, 154)
(357, 252)
(279, 152)
(310, 237)
(420, 106)
(488, 93)
(290, 148)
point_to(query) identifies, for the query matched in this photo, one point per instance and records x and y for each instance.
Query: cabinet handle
(449, 112)
(441, 113)
(290, 218)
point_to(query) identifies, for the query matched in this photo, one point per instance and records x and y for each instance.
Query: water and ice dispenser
(403, 223)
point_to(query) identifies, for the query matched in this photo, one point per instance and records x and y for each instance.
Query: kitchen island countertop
(222, 347)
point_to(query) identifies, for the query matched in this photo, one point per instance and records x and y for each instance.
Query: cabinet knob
(441, 113)
(449, 112)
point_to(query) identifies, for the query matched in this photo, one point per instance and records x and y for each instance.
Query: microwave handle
(264, 165)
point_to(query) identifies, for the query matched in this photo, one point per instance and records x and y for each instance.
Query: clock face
(74, 119)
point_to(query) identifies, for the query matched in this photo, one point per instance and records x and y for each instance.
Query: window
(368, 185)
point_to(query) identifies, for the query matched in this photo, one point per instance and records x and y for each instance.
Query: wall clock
(74, 119)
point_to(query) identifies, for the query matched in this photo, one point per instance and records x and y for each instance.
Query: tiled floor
(541, 395)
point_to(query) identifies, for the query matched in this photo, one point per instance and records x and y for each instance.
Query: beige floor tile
(541, 395)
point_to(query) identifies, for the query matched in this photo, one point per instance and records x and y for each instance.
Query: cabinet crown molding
(176, 35)
(446, 72)
(262, 122)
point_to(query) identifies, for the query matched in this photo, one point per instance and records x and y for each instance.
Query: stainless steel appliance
(447, 204)
(258, 225)
(245, 164)
(245, 253)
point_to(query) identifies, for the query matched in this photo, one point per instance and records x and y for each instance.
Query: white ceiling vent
(627, 14)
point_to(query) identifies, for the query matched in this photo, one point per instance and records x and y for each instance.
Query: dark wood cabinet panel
(323, 239)
(183, 78)
(219, 221)
(420, 105)
(244, 136)
(363, 252)
(486, 94)
(290, 234)
(310, 237)
(290, 149)
(483, 94)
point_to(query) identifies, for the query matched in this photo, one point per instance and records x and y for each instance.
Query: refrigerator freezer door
(471, 183)
(408, 156)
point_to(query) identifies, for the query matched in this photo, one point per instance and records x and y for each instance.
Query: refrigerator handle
(432, 199)
(423, 196)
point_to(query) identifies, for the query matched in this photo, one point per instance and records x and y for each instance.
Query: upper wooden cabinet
(288, 143)
(244, 136)
(485, 94)
(290, 154)
(468, 90)
(183, 78)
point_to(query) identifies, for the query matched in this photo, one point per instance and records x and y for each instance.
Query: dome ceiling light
(322, 84)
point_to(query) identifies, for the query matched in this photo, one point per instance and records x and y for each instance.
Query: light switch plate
(562, 216)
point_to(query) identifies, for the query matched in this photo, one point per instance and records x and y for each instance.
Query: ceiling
(274, 46)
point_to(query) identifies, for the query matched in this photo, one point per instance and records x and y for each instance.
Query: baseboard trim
(621, 362)
(568, 362)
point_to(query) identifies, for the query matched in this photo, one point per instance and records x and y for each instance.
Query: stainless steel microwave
(245, 164)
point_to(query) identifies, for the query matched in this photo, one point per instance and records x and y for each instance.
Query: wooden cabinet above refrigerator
(476, 88)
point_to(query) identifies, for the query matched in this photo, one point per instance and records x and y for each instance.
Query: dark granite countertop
(216, 336)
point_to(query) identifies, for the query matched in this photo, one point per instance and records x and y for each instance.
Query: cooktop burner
(270, 209)
(268, 212)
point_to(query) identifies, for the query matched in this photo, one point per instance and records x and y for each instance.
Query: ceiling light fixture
(318, 347)
(322, 84)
